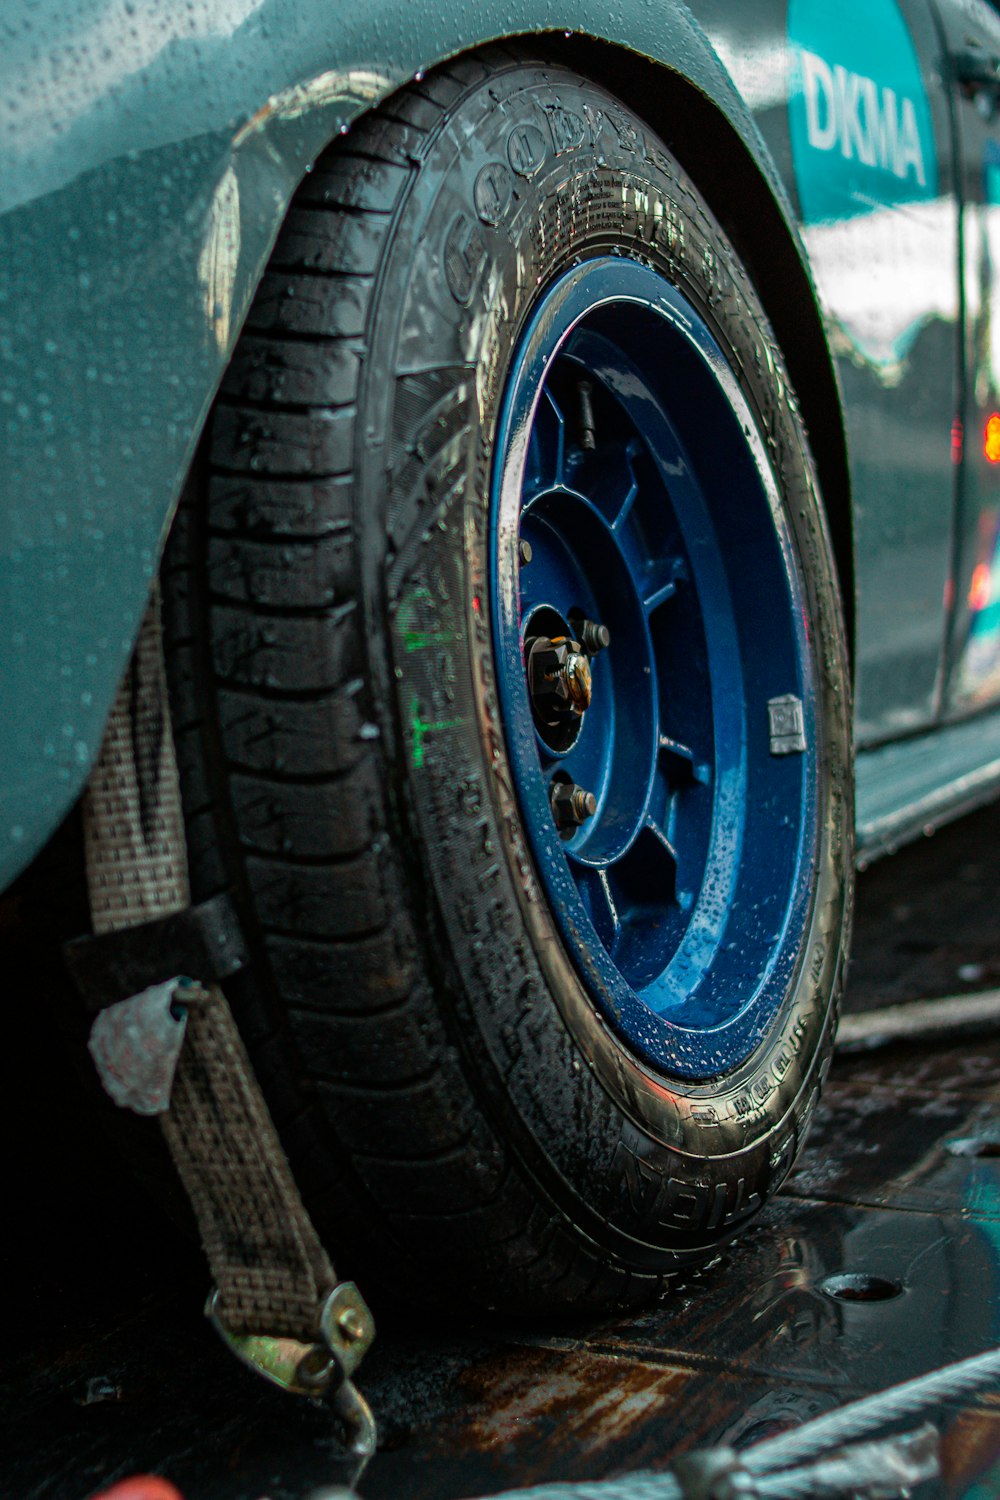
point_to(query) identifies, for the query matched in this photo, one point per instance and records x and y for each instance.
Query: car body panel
(909, 787)
(883, 248)
(150, 155)
(974, 637)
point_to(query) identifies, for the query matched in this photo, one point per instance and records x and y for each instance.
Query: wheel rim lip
(701, 1043)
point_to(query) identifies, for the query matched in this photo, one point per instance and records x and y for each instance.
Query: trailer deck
(879, 1261)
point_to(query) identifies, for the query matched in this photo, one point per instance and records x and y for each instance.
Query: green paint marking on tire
(414, 637)
(420, 728)
(419, 640)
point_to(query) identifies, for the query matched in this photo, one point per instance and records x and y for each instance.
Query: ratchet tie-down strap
(169, 1046)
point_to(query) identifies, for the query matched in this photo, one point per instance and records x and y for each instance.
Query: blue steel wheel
(633, 494)
(544, 866)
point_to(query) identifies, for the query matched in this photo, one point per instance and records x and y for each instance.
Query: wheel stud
(586, 431)
(592, 636)
(571, 804)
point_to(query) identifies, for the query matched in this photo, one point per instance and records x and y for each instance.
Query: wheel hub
(559, 679)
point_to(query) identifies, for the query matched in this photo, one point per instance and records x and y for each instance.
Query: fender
(147, 173)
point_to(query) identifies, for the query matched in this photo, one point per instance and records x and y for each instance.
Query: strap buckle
(320, 1369)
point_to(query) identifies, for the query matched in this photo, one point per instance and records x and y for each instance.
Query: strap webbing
(265, 1255)
(269, 1266)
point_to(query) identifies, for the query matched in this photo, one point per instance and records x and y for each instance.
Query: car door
(971, 31)
(852, 103)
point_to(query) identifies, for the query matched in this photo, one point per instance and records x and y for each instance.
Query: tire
(484, 1097)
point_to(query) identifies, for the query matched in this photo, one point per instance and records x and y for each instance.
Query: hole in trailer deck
(855, 1286)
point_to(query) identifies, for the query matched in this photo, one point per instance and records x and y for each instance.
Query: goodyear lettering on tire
(859, 114)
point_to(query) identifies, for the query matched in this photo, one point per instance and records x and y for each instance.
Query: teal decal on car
(860, 120)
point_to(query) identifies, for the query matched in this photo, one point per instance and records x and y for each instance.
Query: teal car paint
(862, 134)
(883, 242)
(884, 253)
(151, 153)
(974, 636)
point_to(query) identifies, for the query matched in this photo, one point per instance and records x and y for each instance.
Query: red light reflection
(991, 443)
(980, 587)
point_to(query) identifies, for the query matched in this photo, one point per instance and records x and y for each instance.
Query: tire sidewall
(525, 176)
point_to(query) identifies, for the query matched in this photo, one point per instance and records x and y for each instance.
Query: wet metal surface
(880, 1262)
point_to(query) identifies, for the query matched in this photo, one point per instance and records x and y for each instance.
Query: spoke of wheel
(632, 493)
(683, 755)
(559, 422)
(603, 907)
(661, 837)
(547, 450)
(616, 925)
(682, 896)
(663, 584)
(659, 596)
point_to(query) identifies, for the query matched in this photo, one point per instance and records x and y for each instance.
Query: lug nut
(571, 804)
(524, 551)
(592, 636)
(558, 678)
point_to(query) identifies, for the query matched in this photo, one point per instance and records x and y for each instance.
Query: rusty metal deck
(108, 1366)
